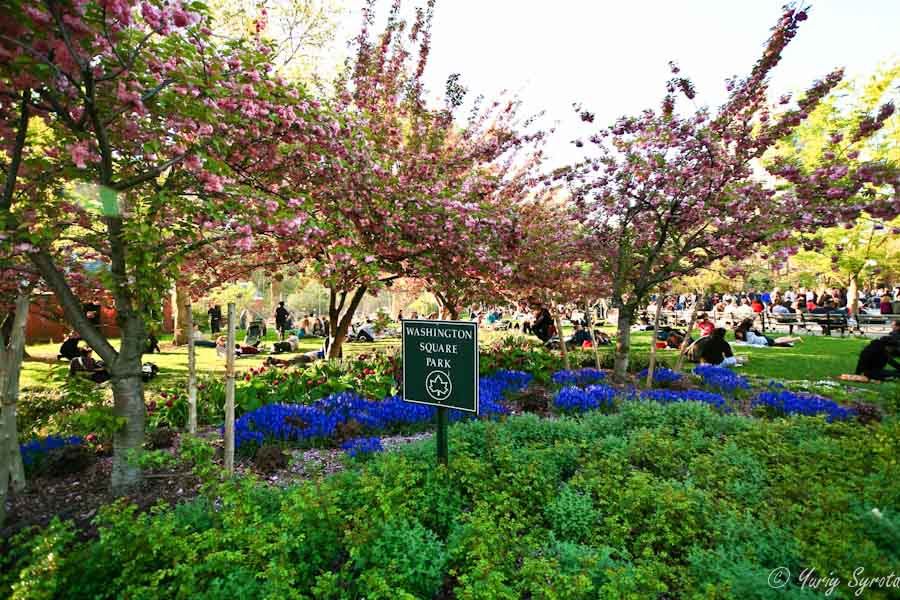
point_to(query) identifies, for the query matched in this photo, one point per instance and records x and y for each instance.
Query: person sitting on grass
(580, 336)
(744, 333)
(716, 351)
(542, 324)
(877, 355)
(288, 345)
(85, 366)
(152, 344)
(221, 344)
(705, 325)
(69, 348)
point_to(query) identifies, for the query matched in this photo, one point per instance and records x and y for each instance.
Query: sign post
(440, 368)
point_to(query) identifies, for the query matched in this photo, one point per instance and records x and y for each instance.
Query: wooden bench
(828, 321)
(790, 319)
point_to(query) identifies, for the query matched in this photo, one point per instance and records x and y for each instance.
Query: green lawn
(816, 359)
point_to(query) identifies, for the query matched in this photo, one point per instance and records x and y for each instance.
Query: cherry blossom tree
(408, 192)
(120, 122)
(666, 193)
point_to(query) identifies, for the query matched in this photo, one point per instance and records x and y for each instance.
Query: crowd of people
(884, 300)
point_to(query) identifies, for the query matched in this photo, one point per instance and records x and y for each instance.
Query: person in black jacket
(716, 351)
(215, 318)
(875, 358)
(542, 326)
(69, 348)
(281, 319)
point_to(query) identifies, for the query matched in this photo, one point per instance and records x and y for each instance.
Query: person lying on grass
(877, 355)
(744, 333)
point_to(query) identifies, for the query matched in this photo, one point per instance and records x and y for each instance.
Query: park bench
(877, 322)
(790, 319)
(828, 321)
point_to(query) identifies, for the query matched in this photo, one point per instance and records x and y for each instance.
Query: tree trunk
(853, 299)
(12, 471)
(182, 302)
(623, 342)
(128, 402)
(562, 341)
(340, 323)
(229, 391)
(652, 364)
(449, 308)
(590, 322)
(685, 344)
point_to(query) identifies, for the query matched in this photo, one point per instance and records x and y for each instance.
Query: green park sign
(440, 363)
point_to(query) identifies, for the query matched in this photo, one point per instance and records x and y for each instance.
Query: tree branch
(16, 158)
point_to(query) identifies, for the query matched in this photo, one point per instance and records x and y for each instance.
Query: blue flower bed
(578, 376)
(296, 422)
(670, 396)
(662, 375)
(789, 403)
(576, 399)
(35, 449)
(507, 378)
(362, 446)
(721, 378)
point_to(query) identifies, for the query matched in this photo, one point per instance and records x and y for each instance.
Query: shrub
(658, 500)
(571, 515)
(669, 396)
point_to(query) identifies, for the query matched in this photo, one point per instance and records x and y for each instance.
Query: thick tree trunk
(340, 318)
(182, 302)
(652, 364)
(128, 401)
(623, 342)
(12, 471)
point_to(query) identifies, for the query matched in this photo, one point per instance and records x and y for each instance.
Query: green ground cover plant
(652, 501)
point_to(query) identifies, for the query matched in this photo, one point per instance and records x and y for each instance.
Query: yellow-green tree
(867, 247)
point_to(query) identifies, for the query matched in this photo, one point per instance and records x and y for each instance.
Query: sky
(612, 56)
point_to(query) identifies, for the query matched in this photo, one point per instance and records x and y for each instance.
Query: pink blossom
(80, 153)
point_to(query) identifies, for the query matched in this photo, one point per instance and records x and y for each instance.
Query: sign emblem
(438, 386)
